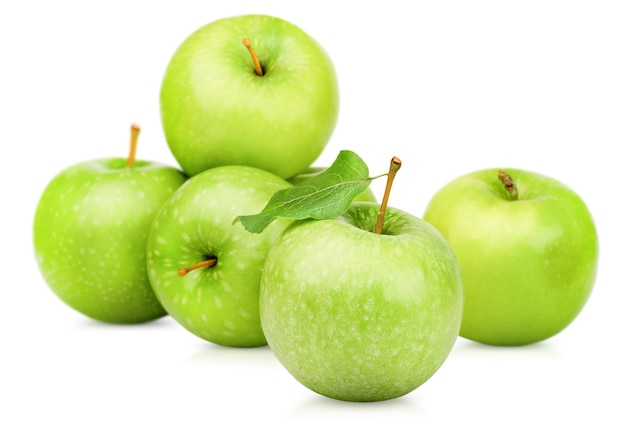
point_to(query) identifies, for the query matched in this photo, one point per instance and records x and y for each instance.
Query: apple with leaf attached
(251, 90)
(528, 250)
(90, 230)
(358, 301)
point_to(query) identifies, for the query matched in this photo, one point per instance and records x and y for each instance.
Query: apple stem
(393, 169)
(206, 263)
(257, 65)
(509, 184)
(134, 137)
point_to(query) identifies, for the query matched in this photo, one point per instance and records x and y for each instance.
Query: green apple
(218, 302)
(360, 316)
(366, 196)
(90, 230)
(217, 110)
(528, 250)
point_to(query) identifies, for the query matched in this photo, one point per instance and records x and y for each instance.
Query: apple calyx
(206, 263)
(134, 138)
(394, 167)
(509, 184)
(255, 59)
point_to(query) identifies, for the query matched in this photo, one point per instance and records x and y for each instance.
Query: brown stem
(393, 169)
(206, 263)
(134, 137)
(255, 60)
(509, 184)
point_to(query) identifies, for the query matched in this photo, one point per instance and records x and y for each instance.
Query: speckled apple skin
(529, 265)
(219, 304)
(90, 231)
(216, 111)
(358, 316)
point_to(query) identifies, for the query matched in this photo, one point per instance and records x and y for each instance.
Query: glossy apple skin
(90, 230)
(358, 316)
(366, 196)
(528, 265)
(216, 111)
(219, 304)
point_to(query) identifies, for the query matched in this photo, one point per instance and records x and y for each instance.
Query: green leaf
(324, 196)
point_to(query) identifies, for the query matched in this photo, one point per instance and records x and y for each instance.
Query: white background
(449, 87)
